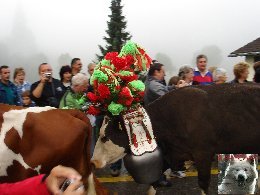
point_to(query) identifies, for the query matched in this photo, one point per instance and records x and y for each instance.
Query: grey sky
(175, 29)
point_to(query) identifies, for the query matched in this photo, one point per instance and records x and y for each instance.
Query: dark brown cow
(34, 140)
(194, 123)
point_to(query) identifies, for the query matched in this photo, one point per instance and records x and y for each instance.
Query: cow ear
(252, 159)
(232, 159)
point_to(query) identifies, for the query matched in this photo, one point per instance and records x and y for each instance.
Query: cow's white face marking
(151, 191)
(15, 119)
(91, 185)
(203, 193)
(106, 152)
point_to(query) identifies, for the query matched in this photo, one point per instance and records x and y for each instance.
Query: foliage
(116, 34)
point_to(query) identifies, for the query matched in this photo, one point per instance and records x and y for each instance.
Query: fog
(173, 32)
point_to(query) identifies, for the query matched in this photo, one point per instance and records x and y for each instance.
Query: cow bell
(146, 168)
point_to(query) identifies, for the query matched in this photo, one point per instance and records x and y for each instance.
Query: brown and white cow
(34, 140)
(193, 123)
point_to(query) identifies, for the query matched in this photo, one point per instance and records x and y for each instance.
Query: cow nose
(95, 164)
(92, 166)
(241, 178)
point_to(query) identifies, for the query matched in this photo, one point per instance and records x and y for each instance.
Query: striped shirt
(207, 79)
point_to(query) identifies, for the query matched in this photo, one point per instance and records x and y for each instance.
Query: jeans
(117, 165)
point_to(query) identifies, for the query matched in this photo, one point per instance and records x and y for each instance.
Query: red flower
(149, 60)
(119, 63)
(103, 91)
(129, 60)
(141, 93)
(129, 102)
(93, 110)
(118, 87)
(95, 84)
(125, 97)
(141, 51)
(111, 55)
(130, 78)
(92, 97)
(139, 97)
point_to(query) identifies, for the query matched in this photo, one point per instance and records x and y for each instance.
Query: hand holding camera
(46, 76)
(56, 178)
(72, 185)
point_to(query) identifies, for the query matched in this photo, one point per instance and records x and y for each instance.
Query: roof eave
(244, 54)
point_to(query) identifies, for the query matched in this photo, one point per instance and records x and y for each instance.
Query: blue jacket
(13, 99)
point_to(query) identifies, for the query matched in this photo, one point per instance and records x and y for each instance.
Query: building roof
(250, 49)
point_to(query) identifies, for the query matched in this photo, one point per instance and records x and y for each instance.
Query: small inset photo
(238, 173)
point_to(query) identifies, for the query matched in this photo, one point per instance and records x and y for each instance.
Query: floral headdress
(115, 81)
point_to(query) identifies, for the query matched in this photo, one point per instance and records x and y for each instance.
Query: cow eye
(104, 139)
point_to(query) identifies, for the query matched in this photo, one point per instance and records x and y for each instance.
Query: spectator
(257, 72)
(91, 68)
(186, 73)
(154, 83)
(201, 75)
(8, 91)
(76, 66)
(155, 89)
(46, 184)
(20, 83)
(219, 76)
(173, 80)
(256, 65)
(48, 91)
(26, 99)
(241, 71)
(65, 76)
(71, 99)
(78, 87)
(211, 69)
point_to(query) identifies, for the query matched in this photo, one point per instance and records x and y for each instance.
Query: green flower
(105, 62)
(81, 101)
(115, 109)
(130, 48)
(125, 73)
(137, 85)
(100, 76)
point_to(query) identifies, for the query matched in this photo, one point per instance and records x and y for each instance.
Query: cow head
(112, 143)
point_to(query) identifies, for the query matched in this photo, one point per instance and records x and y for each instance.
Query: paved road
(185, 186)
(124, 185)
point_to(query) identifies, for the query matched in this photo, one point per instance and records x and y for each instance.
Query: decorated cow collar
(139, 131)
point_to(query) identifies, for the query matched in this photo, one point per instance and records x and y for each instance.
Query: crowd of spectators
(72, 85)
(48, 91)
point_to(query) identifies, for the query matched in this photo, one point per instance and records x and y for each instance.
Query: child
(26, 100)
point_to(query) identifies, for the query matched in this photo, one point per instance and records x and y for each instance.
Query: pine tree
(117, 36)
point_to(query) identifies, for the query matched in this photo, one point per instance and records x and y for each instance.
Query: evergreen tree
(117, 36)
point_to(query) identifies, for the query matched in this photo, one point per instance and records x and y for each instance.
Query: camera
(67, 182)
(47, 75)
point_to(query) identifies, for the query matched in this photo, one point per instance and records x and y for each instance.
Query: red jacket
(31, 186)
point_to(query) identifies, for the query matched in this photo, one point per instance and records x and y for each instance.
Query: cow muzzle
(97, 164)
